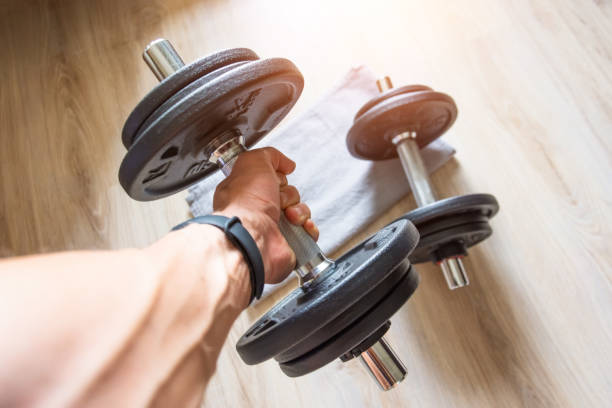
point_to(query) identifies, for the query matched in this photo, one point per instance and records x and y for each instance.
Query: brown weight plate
(428, 113)
(177, 81)
(172, 152)
(390, 93)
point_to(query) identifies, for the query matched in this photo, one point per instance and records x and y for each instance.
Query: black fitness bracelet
(241, 239)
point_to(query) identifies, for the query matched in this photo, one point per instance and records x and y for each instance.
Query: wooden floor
(533, 82)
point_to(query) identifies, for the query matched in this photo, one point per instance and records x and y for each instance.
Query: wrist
(202, 253)
(250, 221)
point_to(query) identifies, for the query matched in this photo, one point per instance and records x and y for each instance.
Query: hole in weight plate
(170, 152)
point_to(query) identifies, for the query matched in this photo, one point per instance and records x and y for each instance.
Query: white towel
(345, 194)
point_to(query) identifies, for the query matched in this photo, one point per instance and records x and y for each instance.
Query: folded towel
(345, 194)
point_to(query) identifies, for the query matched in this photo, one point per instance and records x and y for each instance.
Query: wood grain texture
(533, 82)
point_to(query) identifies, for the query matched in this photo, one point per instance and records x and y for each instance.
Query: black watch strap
(241, 239)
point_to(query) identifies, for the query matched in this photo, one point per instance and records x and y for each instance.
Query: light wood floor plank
(533, 82)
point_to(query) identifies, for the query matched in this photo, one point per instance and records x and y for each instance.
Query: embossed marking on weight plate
(196, 168)
(242, 106)
(436, 123)
(157, 172)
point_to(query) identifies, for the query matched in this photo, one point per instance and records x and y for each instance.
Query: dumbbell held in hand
(199, 119)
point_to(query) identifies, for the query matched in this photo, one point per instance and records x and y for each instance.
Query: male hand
(257, 191)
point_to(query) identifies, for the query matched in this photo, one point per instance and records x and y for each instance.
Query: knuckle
(305, 209)
(268, 152)
(295, 194)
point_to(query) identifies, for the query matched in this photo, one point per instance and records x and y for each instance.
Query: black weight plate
(486, 204)
(467, 235)
(352, 336)
(177, 81)
(173, 152)
(428, 113)
(178, 97)
(462, 219)
(388, 94)
(349, 280)
(348, 316)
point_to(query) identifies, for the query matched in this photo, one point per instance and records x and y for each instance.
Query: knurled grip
(304, 247)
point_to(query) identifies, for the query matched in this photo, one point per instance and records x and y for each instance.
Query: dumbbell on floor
(400, 122)
(198, 120)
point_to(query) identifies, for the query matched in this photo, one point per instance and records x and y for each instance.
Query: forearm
(120, 328)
